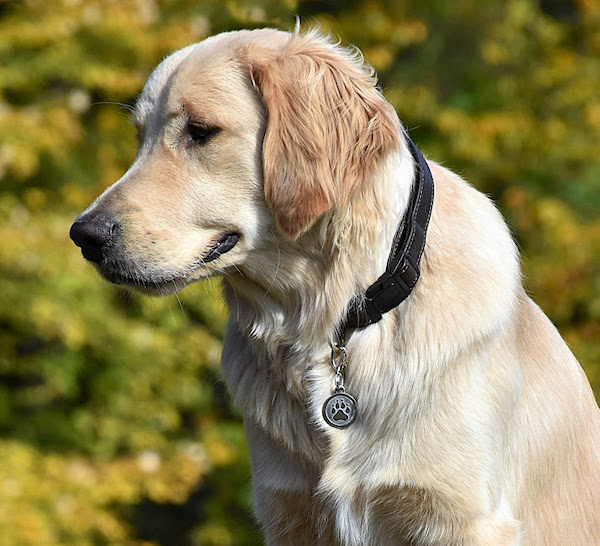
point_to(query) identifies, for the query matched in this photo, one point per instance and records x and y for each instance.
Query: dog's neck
(299, 294)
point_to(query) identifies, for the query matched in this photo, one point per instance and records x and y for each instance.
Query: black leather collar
(402, 271)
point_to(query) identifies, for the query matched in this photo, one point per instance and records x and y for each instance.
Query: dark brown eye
(200, 133)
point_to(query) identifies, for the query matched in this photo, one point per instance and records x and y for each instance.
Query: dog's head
(245, 134)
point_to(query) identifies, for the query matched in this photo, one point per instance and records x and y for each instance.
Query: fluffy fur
(476, 424)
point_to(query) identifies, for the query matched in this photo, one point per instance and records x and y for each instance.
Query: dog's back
(557, 439)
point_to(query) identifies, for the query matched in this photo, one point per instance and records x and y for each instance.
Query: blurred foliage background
(114, 425)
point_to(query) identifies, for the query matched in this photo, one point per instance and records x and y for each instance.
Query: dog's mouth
(221, 246)
(149, 280)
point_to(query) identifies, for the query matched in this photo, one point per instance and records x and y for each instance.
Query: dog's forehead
(157, 81)
(212, 65)
(211, 62)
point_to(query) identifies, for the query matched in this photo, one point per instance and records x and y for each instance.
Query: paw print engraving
(339, 410)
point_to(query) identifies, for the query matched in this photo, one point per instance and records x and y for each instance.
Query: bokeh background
(114, 425)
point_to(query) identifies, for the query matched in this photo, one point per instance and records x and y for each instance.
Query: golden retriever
(273, 159)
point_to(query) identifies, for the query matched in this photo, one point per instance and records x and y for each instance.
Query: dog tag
(339, 410)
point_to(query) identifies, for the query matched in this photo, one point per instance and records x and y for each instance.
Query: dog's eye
(200, 133)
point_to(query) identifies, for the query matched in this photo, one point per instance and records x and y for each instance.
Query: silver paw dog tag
(339, 410)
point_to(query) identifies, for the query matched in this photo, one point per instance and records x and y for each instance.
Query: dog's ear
(327, 128)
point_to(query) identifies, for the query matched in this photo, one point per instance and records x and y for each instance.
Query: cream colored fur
(476, 425)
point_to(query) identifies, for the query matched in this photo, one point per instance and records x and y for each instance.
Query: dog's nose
(94, 233)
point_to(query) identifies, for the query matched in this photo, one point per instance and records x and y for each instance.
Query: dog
(461, 416)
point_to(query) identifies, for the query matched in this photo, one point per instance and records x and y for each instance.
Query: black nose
(94, 233)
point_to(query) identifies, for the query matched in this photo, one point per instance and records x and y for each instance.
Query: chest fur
(280, 390)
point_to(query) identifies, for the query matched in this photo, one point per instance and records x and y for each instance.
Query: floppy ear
(328, 126)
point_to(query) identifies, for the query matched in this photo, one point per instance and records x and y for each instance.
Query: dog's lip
(151, 283)
(221, 246)
(162, 282)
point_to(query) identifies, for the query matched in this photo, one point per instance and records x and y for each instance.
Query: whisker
(127, 107)
(276, 270)
(239, 271)
(177, 296)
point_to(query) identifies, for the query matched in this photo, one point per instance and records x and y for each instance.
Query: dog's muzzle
(100, 237)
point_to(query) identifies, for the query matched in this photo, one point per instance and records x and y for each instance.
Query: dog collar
(388, 291)
(402, 270)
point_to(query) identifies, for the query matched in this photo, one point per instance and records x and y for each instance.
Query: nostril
(94, 234)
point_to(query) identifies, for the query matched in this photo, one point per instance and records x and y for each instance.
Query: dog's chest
(279, 390)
